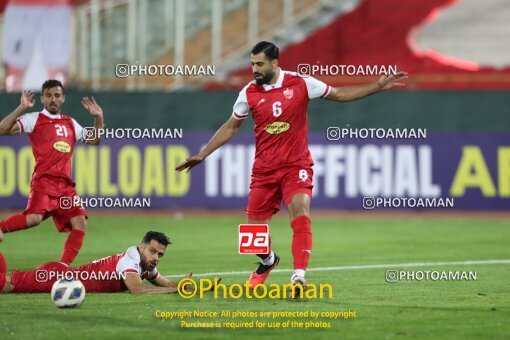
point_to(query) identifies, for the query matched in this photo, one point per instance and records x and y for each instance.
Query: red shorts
(268, 189)
(50, 198)
(39, 280)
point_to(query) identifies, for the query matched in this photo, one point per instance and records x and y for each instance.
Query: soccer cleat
(298, 280)
(260, 275)
(299, 285)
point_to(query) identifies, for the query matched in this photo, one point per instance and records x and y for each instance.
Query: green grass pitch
(406, 309)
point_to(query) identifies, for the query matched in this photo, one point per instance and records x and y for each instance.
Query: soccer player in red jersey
(282, 169)
(116, 273)
(52, 136)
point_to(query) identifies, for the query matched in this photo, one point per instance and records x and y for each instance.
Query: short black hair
(51, 83)
(270, 50)
(157, 236)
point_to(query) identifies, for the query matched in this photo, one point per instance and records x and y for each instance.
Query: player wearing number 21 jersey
(53, 137)
(277, 101)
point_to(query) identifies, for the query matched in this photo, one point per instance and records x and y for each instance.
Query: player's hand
(188, 287)
(27, 99)
(389, 81)
(92, 107)
(216, 281)
(189, 163)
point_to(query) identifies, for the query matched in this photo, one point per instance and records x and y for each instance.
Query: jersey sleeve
(130, 262)
(27, 122)
(78, 130)
(316, 88)
(241, 107)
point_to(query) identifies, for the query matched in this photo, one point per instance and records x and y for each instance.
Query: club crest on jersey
(62, 146)
(276, 128)
(288, 93)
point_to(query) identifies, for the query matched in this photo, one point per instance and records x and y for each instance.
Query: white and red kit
(283, 164)
(105, 275)
(53, 137)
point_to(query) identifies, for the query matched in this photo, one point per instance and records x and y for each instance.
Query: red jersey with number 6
(52, 137)
(281, 121)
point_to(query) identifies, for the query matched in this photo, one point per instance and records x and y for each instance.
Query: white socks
(270, 260)
(298, 272)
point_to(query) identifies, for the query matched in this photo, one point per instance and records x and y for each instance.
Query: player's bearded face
(262, 68)
(52, 99)
(150, 254)
(263, 77)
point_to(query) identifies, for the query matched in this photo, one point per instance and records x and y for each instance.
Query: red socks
(72, 246)
(3, 271)
(2, 281)
(301, 241)
(14, 223)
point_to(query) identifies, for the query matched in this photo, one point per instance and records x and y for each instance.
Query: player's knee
(299, 205)
(80, 225)
(300, 211)
(33, 220)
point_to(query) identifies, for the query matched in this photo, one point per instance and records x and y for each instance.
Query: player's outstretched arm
(223, 135)
(97, 112)
(350, 93)
(135, 286)
(163, 281)
(8, 125)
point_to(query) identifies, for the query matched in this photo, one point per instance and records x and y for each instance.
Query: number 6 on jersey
(277, 109)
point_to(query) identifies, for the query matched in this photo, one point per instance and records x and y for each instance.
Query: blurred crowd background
(457, 53)
(457, 44)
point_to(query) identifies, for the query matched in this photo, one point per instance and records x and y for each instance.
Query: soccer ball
(68, 293)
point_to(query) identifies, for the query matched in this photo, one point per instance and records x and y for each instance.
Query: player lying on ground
(52, 136)
(282, 169)
(124, 271)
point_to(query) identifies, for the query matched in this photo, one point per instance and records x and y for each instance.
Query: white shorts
(24, 24)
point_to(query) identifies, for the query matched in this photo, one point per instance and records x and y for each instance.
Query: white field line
(370, 266)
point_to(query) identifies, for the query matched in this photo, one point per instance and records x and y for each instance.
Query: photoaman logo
(189, 288)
